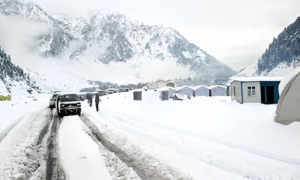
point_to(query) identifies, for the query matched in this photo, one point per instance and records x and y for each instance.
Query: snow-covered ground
(22, 104)
(78, 151)
(240, 139)
(201, 138)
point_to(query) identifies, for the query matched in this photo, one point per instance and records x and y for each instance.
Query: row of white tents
(184, 92)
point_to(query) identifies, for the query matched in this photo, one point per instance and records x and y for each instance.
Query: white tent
(289, 102)
(217, 90)
(186, 90)
(201, 91)
(180, 96)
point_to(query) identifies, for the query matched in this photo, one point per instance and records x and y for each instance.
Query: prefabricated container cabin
(255, 89)
(166, 93)
(137, 95)
(201, 91)
(217, 90)
(185, 90)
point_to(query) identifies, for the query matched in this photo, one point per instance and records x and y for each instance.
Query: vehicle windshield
(69, 97)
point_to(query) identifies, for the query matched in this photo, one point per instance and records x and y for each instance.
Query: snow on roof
(178, 88)
(287, 79)
(164, 89)
(252, 79)
(214, 86)
(197, 87)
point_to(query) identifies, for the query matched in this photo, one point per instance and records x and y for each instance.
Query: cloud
(18, 38)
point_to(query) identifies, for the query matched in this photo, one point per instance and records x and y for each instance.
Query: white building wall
(218, 91)
(236, 94)
(172, 92)
(252, 98)
(202, 91)
(229, 90)
(186, 90)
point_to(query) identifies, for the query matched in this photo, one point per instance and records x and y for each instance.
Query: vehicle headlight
(62, 105)
(79, 105)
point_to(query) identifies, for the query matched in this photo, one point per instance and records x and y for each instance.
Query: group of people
(90, 100)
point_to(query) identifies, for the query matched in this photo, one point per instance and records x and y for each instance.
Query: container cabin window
(251, 91)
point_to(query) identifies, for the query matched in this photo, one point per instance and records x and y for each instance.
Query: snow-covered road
(227, 139)
(201, 138)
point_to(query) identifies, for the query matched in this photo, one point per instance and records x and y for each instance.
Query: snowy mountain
(13, 78)
(110, 37)
(278, 57)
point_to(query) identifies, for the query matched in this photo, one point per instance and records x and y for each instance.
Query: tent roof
(287, 79)
(180, 95)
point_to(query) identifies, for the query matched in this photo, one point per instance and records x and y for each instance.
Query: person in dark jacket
(97, 99)
(90, 99)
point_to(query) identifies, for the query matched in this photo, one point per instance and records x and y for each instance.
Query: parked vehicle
(83, 96)
(112, 90)
(102, 92)
(68, 103)
(53, 101)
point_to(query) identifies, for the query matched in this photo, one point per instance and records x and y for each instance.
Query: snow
(197, 87)
(181, 95)
(287, 79)
(21, 153)
(281, 69)
(251, 79)
(205, 131)
(79, 154)
(198, 138)
(186, 54)
(11, 112)
(214, 86)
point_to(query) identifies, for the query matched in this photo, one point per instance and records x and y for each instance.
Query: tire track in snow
(145, 166)
(53, 169)
(24, 150)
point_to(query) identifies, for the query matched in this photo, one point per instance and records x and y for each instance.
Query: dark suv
(68, 104)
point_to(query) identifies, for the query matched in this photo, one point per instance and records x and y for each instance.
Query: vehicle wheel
(60, 115)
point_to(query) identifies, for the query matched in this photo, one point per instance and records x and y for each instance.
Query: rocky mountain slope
(13, 77)
(278, 57)
(111, 37)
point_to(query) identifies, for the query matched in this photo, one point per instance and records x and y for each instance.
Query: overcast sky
(236, 32)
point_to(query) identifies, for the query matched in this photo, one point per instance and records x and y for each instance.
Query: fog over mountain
(108, 46)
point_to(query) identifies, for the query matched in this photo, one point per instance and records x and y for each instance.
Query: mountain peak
(111, 37)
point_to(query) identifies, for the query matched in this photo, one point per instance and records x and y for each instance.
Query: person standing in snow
(97, 99)
(90, 99)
